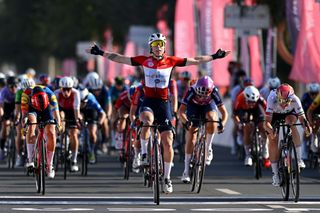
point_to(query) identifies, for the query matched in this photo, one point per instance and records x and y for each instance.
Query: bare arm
(182, 113)
(116, 57)
(224, 114)
(207, 58)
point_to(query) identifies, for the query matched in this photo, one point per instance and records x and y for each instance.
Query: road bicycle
(39, 156)
(289, 171)
(128, 151)
(198, 157)
(11, 151)
(154, 172)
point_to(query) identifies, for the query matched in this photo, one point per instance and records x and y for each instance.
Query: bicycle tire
(201, 165)
(256, 156)
(85, 160)
(43, 167)
(284, 176)
(127, 150)
(193, 162)
(66, 155)
(156, 184)
(294, 172)
(12, 149)
(36, 170)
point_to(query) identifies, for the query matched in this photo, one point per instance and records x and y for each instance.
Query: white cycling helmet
(274, 83)
(95, 83)
(27, 82)
(156, 37)
(313, 87)
(251, 94)
(84, 94)
(66, 82)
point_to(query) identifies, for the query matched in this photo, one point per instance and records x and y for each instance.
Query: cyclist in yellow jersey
(313, 112)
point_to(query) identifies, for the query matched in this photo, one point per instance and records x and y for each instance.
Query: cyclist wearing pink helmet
(202, 101)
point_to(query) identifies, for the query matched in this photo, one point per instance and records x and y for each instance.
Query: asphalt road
(229, 186)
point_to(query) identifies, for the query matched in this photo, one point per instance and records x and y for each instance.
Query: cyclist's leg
(212, 115)
(191, 137)
(146, 116)
(19, 145)
(192, 111)
(31, 138)
(292, 119)
(168, 154)
(93, 141)
(274, 151)
(74, 142)
(5, 125)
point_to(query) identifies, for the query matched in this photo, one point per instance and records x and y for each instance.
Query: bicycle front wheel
(200, 167)
(256, 156)
(43, 166)
(294, 172)
(284, 177)
(156, 183)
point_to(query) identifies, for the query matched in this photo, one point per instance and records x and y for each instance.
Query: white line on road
(231, 210)
(52, 209)
(139, 210)
(229, 191)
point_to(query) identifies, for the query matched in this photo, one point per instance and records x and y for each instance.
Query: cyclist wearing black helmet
(7, 97)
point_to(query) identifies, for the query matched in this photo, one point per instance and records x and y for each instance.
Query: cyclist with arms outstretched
(157, 70)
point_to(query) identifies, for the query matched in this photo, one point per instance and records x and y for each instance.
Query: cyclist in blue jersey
(93, 113)
(102, 94)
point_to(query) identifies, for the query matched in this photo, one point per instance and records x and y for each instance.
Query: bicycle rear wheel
(284, 177)
(294, 172)
(11, 153)
(200, 167)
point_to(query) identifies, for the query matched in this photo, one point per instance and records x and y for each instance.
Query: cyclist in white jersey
(284, 104)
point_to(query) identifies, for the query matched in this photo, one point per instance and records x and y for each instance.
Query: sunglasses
(157, 43)
(66, 89)
(284, 101)
(12, 86)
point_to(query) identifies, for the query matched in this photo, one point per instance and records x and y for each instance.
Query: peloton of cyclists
(157, 70)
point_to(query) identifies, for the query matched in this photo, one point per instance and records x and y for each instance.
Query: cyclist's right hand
(188, 125)
(96, 50)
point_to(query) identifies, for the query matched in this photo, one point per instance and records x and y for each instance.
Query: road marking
(52, 209)
(139, 210)
(276, 206)
(231, 210)
(229, 191)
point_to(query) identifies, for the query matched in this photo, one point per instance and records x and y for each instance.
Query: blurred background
(267, 37)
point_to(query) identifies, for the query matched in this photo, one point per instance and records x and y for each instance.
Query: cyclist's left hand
(220, 129)
(308, 130)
